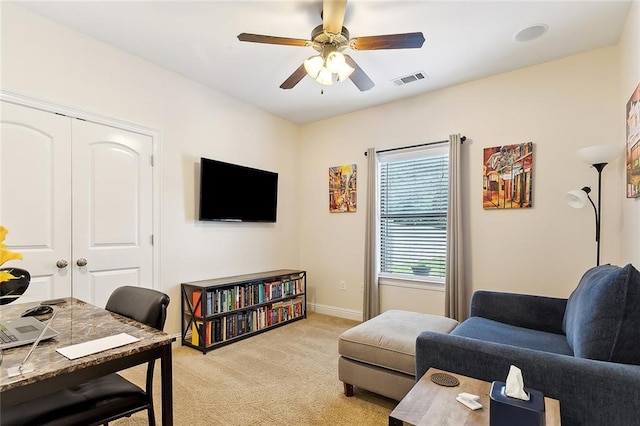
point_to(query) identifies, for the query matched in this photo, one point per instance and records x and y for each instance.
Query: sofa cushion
(389, 339)
(602, 319)
(497, 332)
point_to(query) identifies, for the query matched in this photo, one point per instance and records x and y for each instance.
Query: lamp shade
(313, 65)
(335, 61)
(325, 77)
(599, 154)
(576, 198)
(345, 72)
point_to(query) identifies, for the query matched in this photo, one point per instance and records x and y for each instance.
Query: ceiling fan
(330, 39)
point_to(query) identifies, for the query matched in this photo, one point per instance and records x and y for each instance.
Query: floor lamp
(598, 156)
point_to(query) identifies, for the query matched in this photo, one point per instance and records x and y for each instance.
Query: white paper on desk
(97, 345)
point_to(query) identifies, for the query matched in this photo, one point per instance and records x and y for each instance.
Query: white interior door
(77, 192)
(35, 200)
(112, 210)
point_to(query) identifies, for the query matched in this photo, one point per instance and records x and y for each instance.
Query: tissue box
(507, 411)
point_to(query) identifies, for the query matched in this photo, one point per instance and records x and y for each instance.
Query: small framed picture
(343, 195)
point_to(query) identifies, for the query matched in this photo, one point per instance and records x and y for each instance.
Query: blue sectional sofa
(583, 351)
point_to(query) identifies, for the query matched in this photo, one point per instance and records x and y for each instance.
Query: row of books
(241, 296)
(233, 325)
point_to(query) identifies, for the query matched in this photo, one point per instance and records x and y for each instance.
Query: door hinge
(151, 239)
(152, 161)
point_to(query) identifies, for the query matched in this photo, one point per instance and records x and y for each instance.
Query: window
(413, 195)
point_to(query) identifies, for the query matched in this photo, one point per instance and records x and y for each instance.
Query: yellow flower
(6, 255)
(5, 276)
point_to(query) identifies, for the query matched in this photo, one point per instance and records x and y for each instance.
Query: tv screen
(230, 192)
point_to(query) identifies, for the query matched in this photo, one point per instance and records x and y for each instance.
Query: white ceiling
(465, 40)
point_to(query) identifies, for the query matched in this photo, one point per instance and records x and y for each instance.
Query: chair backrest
(145, 305)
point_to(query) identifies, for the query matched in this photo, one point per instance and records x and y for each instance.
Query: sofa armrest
(522, 310)
(590, 392)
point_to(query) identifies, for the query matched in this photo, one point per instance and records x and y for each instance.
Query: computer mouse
(37, 310)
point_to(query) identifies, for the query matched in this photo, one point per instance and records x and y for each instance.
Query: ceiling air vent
(401, 81)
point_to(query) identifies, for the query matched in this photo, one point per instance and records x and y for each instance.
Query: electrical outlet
(343, 285)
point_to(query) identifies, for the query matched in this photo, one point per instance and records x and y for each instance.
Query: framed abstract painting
(343, 189)
(508, 177)
(633, 144)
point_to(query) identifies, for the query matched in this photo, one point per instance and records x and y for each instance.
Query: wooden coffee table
(428, 403)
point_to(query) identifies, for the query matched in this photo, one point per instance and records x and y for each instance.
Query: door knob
(81, 262)
(61, 263)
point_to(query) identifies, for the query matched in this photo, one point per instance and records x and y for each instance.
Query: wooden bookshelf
(221, 311)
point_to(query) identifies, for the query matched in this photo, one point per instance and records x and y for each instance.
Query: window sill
(417, 283)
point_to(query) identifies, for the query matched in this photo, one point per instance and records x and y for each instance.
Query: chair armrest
(522, 310)
(590, 392)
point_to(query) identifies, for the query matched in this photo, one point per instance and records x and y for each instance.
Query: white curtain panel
(371, 303)
(454, 294)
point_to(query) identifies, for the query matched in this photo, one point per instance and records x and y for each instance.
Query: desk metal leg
(167, 386)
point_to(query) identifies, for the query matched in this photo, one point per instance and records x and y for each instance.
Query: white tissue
(515, 384)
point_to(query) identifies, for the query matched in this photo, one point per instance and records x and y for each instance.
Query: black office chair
(107, 398)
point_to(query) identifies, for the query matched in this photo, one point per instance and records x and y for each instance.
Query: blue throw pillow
(602, 319)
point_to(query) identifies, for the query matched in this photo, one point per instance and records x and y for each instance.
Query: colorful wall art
(342, 189)
(507, 176)
(633, 144)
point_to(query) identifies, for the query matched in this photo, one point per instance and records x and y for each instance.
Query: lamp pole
(598, 167)
(587, 190)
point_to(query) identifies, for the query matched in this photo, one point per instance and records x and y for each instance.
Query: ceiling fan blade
(333, 15)
(389, 41)
(359, 77)
(294, 78)
(258, 38)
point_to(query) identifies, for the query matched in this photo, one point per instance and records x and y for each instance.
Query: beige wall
(46, 61)
(630, 78)
(560, 106)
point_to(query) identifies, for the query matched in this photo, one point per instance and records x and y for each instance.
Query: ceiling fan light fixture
(325, 77)
(335, 62)
(345, 72)
(314, 65)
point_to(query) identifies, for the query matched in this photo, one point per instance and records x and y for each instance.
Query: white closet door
(112, 210)
(35, 200)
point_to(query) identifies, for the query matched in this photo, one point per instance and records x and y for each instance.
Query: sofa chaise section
(583, 351)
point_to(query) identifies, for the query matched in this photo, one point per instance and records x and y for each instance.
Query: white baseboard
(335, 312)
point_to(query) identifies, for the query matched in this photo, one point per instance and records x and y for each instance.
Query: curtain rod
(462, 139)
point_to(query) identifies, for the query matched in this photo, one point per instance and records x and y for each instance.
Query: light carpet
(285, 376)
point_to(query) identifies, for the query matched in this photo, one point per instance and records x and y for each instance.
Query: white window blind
(413, 197)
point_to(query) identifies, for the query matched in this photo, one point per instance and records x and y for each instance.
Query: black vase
(11, 290)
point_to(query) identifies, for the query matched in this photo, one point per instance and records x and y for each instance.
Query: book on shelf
(209, 309)
(223, 329)
(217, 332)
(198, 328)
(194, 334)
(196, 303)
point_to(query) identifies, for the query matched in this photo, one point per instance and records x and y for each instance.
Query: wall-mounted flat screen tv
(235, 193)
